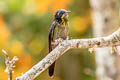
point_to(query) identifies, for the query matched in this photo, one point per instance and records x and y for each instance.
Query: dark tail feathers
(51, 70)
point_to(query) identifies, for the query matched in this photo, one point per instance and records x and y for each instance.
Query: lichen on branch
(109, 41)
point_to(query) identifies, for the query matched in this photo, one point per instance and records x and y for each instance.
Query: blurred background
(24, 28)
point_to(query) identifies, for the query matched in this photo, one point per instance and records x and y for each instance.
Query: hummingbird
(58, 30)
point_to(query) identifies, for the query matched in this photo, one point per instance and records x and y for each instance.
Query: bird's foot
(59, 40)
(69, 38)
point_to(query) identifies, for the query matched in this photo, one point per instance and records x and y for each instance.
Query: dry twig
(9, 64)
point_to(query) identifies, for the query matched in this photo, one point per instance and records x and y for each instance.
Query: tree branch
(9, 64)
(109, 41)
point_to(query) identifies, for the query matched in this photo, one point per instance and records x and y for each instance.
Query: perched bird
(58, 29)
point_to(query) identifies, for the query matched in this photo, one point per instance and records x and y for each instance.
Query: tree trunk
(105, 21)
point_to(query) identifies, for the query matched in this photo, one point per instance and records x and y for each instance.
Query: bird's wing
(51, 34)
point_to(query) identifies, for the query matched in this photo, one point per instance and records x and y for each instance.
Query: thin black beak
(68, 11)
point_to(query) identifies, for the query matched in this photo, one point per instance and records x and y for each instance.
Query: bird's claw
(69, 38)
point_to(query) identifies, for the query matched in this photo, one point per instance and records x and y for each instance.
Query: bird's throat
(64, 21)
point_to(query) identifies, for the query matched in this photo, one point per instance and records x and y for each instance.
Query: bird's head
(61, 14)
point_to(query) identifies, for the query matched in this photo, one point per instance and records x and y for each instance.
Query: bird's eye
(62, 13)
(59, 14)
